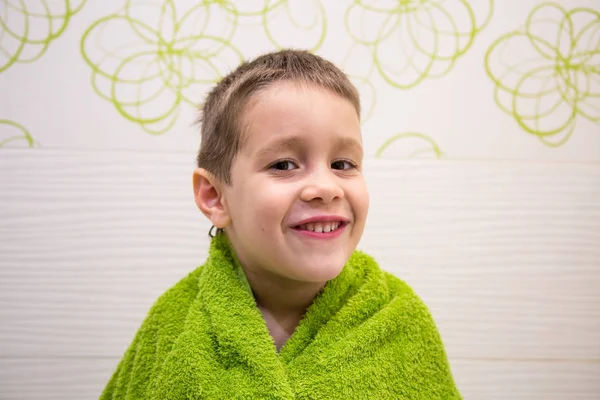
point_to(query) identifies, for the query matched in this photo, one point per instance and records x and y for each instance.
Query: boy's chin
(319, 273)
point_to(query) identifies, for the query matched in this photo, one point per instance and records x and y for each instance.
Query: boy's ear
(209, 198)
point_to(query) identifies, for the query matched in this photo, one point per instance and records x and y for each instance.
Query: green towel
(365, 336)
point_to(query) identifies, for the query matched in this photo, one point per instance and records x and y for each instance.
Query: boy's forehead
(274, 119)
(286, 97)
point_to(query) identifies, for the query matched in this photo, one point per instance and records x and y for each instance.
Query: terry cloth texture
(366, 336)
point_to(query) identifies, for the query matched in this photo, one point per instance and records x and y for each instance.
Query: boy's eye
(284, 165)
(342, 164)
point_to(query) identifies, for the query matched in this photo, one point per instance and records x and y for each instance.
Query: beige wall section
(507, 256)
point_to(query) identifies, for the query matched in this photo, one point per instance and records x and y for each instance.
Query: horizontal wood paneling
(54, 378)
(512, 380)
(506, 255)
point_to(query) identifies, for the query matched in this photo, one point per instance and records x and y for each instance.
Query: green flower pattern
(547, 74)
(17, 135)
(172, 59)
(148, 69)
(411, 40)
(287, 23)
(152, 57)
(410, 145)
(27, 27)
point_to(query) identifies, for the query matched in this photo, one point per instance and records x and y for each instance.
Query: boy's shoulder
(397, 288)
(368, 264)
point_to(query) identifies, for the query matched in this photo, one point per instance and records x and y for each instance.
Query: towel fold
(365, 336)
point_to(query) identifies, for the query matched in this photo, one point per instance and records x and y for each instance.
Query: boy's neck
(282, 302)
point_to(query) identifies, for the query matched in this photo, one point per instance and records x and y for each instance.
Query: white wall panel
(507, 256)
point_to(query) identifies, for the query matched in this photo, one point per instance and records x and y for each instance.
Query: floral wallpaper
(439, 79)
(547, 72)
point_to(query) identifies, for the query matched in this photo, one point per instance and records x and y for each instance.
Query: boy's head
(280, 160)
(222, 128)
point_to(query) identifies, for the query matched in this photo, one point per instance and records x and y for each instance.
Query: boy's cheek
(361, 195)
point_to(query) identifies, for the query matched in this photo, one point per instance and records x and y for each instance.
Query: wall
(483, 162)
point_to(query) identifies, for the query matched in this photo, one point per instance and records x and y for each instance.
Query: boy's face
(299, 172)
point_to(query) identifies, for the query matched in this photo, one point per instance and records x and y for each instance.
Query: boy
(284, 307)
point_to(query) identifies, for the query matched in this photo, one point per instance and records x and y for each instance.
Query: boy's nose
(323, 188)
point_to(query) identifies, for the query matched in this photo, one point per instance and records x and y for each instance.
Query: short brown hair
(220, 115)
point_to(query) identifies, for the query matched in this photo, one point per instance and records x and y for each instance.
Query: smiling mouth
(321, 227)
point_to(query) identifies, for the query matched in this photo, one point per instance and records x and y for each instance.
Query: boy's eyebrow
(280, 144)
(296, 141)
(351, 144)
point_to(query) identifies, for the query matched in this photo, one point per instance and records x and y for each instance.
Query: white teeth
(320, 227)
